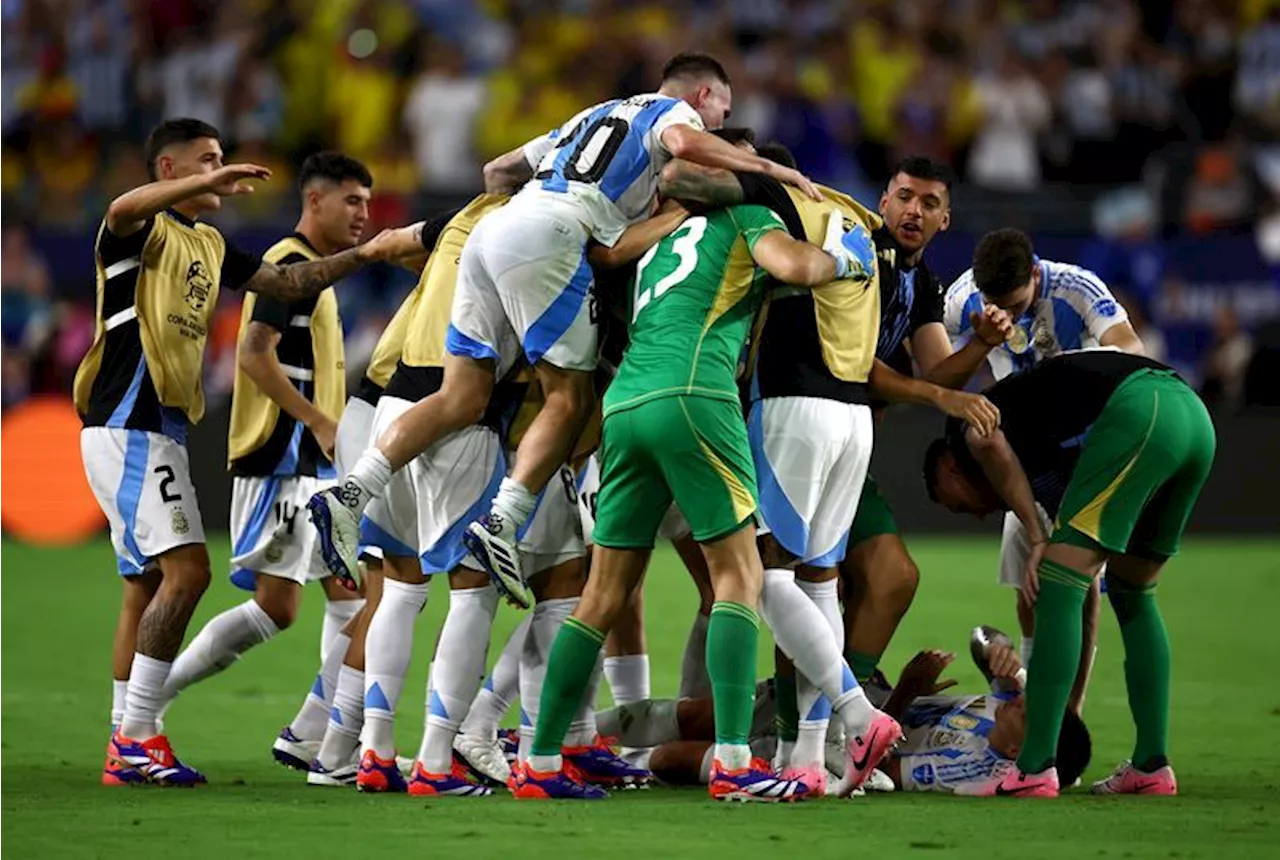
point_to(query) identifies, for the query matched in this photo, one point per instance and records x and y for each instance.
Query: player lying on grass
(953, 742)
(1116, 447)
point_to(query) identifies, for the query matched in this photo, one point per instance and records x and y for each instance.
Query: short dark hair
(777, 153)
(932, 457)
(923, 167)
(1075, 749)
(736, 134)
(694, 65)
(334, 167)
(171, 131)
(1002, 261)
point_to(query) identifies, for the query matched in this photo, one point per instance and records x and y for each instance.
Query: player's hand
(325, 429)
(1004, 662)
(791, 176)
(992, 326)
(921, 674)
(393, 244)
(974, 409)
(853, 248)
(230, 178)
(1030, 590)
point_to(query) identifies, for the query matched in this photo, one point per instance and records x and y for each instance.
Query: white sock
(694, 681)
(342, 734)
(387, 650)
(732, 756)
(803, 634)
(1025, 648)
(145, 695)
(647, 723)
(514, 503)
(457, 672)
(219, 644)
(782, 754)
(628, 677)
(118, 691)
(310, 721)
(337, 614)
(499, 689)
(814, 707)
(366, 480)
(544, 624)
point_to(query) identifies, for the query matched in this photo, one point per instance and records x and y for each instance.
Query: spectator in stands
(440, 115)
(1257, 84)
(1227, 362)
(1015, 110)
(26, 311)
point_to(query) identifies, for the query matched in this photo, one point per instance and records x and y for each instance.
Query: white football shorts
(142, 482)
(672, 528)
(430, 502)
(811, 457)
(554, 532)
(270, 533)
(524, 286)
(1015, 547)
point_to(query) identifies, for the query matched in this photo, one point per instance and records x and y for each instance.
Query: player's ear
(884, 202)
(946, 220)
(164, 167)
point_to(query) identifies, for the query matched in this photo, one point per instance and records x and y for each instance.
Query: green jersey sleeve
(753, 222)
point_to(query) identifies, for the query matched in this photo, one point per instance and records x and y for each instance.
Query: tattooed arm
(693, 183)
(304, 280)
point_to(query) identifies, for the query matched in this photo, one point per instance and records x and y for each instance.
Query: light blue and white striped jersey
(1072, 311)
(605, 161)
(946, 741)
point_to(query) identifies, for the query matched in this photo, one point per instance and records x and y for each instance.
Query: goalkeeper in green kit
(673, 430)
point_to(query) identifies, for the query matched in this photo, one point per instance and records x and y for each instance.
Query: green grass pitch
(1219, 599)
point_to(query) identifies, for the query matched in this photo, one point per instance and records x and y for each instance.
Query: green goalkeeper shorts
(692, 450)
(874, 516)
(1140, 470)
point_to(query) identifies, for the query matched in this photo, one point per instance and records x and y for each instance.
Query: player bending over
(523, 290)
(1116, 447)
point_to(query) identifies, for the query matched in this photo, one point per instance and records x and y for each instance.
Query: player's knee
(902, 582)
(187, 583)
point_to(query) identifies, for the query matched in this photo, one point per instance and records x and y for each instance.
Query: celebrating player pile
(764, 318)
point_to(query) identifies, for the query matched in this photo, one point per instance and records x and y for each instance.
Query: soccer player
(523, 290)
(879, 575)
(138, 390)
(673, 430)
(1116, 447)
(1055, 307)
(289, 390)
(811, 439)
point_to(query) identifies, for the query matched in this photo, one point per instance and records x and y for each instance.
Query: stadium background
(1138, 139)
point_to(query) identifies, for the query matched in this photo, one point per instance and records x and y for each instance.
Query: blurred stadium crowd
(1044, 107)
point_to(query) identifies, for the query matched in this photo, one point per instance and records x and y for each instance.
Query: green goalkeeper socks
(731, 664)
(863, 665)
(1059, 617)
(1146, 669)
(569, 667)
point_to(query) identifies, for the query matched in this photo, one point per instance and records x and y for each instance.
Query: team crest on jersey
(962, 722)
(273, 553)
(1042, 336)
(178, 522)
(199, 285)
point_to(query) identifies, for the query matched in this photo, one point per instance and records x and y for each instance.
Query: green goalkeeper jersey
(693, 300)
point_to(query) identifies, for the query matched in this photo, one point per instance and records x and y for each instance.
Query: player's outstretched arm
(257, 358)
(690, 144)
(506, 173)
(637, 239)
(712, 187)
(130, 211)
(304, 280)
(893, 387)
(1004, 470)
(931, 348)
(792, 261)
